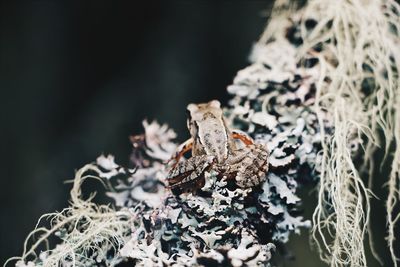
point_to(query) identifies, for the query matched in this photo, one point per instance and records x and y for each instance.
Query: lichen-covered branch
(354, 45)
(322, 85)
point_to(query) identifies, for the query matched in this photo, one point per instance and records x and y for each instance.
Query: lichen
(219, 223)
(321, 86)
(354, 48)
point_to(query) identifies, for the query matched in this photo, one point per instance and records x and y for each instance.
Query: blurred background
(78, 77)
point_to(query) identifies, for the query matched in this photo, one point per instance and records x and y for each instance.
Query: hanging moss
(321, 88)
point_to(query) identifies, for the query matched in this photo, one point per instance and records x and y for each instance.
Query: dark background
(78, 77)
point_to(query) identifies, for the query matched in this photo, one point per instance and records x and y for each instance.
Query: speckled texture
(222, 223)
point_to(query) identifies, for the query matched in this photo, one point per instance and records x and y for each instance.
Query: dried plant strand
(355, 42)
(358, 98)
(360, 41)
(87, 230)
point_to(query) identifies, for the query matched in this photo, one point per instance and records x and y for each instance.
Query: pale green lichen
(88, 232)
(303, 96)
(356, 46)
